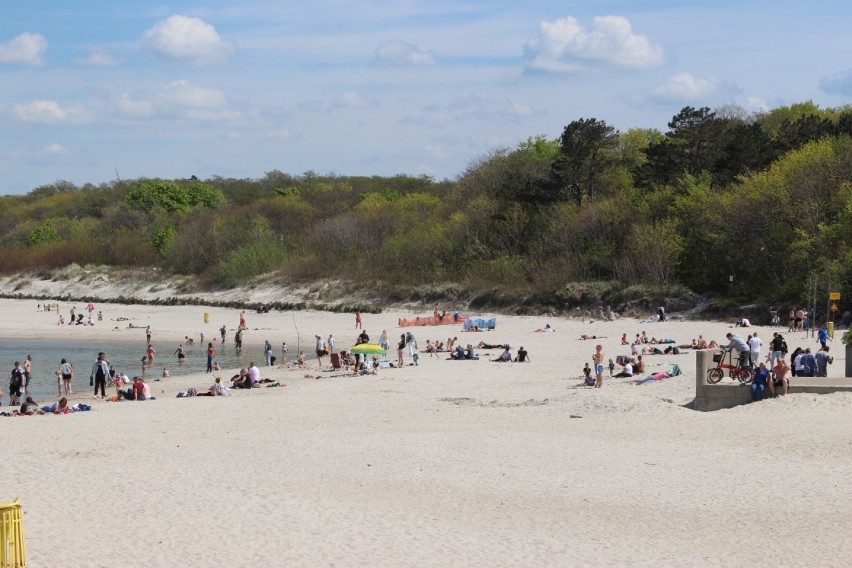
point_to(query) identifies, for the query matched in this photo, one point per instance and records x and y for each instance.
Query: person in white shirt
(254, 374)
(755, 345)
(628, 370)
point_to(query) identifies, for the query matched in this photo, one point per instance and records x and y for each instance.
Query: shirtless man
(28, 375)
(598, 359)
(181, 354)
(779, 377)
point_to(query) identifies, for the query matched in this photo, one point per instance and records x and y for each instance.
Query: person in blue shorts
(758, 385)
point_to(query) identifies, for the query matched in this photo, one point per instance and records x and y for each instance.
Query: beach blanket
(481, 323)
(658, 376)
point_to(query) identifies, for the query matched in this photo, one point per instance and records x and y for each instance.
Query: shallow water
(124, 355)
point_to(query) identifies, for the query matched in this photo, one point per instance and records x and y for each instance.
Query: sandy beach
(447, 463)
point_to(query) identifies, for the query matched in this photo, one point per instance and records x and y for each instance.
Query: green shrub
(249, 261)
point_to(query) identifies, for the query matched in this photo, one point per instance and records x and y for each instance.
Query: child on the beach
(611, 367)
(587, 375)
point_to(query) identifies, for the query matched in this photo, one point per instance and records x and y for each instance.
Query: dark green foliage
(583, 156)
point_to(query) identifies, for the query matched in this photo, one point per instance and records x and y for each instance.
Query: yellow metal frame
(13, 550)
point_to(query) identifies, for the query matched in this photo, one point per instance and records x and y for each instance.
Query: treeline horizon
(752, 206)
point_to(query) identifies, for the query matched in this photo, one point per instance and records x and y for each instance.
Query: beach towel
(480, 323)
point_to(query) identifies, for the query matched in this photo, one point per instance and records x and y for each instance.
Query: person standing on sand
(598, 359)
(357, 319)
(400, 350)
(28, 375)
(210, 353)
(100, 372)
(73, 315)
(148, 334)
(320, 349)
(243, 319)
(383, 340)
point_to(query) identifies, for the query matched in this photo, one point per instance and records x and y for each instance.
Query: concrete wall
(729, 393)
(725, 394)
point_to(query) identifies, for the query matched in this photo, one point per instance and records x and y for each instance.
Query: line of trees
(766, 198)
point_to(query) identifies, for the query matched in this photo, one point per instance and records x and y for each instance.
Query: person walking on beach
(210, 353)
(223, 331)
(357, 319)
(383, 340)
(320, 350)
(148, 334)
(28, 375)
(412, 344)
(598, 359)
(150, 354)
(100, 372)
(90, 307)
(66, 373)
(330, 343)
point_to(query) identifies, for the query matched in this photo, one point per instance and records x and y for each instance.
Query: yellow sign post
(834, 296)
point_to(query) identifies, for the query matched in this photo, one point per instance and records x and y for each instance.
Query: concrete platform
(729, 393)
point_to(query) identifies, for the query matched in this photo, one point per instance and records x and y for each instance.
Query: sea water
(125, 356)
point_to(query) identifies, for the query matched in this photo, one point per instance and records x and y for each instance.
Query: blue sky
(379, 87)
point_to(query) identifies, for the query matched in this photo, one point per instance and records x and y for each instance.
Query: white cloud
(352, 99)
(757, 104)
(45, 111)
(53, 150)
(25, 49)
(564, 46)
(179, 99)
(403, 53)
(97, 57)
(471, 107)
(187, 39)
(686, 88)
